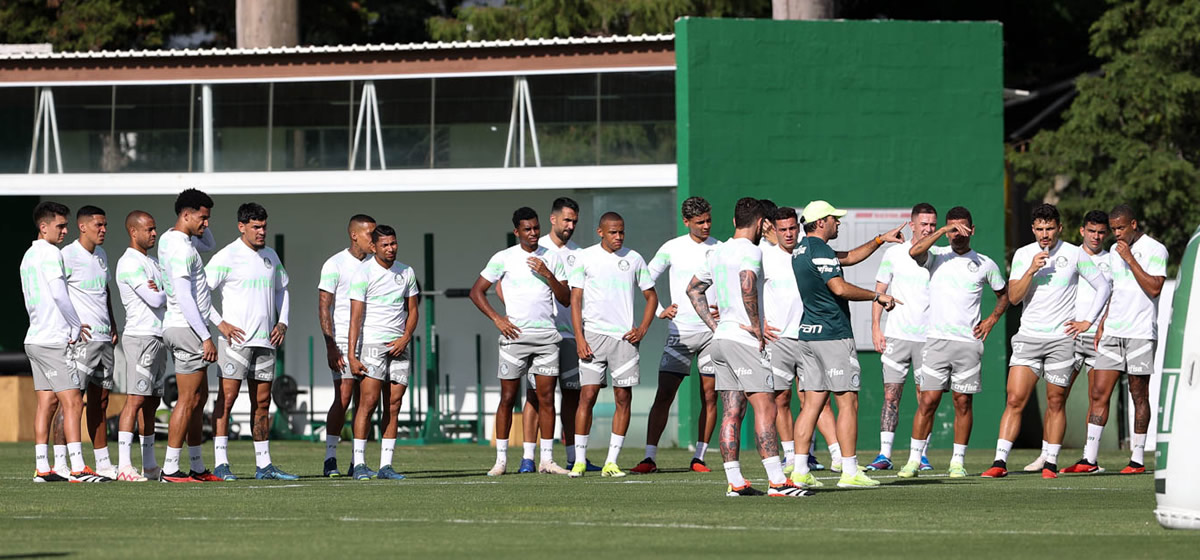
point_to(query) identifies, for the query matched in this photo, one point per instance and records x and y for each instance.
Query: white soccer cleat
(1036, 465)
(498, 469)
(62, 470)
(130, 474)
(550, 467)
(110, 472)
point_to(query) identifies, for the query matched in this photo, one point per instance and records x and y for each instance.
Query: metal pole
(46, 132)
(270, 120)
(312, 387)
(378, 127)
(521, 118)
(54, 129)
(358, 128)
(537, 154)
(206, 124)
(479, 437)
(37, 131)
(432, 121)
(191, 124)
(512, 125)
(432, 430)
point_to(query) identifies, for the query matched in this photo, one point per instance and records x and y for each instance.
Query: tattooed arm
(695, 292)
(750, 302)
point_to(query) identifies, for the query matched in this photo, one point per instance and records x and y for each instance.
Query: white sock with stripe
(885, 443)
(124, 449)
(1092, 448)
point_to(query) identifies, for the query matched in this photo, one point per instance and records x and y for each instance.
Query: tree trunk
(803, 9)
(268, 23)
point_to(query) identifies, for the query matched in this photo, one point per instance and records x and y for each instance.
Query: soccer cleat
(130, 474)
(223, 472)
(746, 490)
(1037, 464)
(526, 467)
(857, 480)
(578, 469)
(881, 463)
(788, 490)
(612, 471)
(361, 472)
(152, 473)
(593, 468)
(87, 475)
(205, 476)
(62, 470)
(550, 467)
(789, 467)
(999, 469)
(957, 470)
(388, 473)
(498, 469)
(1083, 467)
(925, 466)
(647, 466)
(176, 476)
(371, 472)
(110, 473)
(1049, 470)
(271, 472)
(814, 464)
(909, 470)
(48, 476)
(1133, 468)
(331, 470)
(699, 466)
(806, 480)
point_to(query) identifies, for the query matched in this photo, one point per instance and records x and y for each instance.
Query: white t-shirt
(725, 266)
(958, 280)
(780, 297)
(569, 256)
(1050, 300)
(1085, 294)
(608, 281)
(528, 299)
(87, 284)
(134, 270)
(250, 283)
(1131, 313)
(179, 259)
(336, 274)
(908, 282)
(685, 258)
(386, 292)
(41, 265)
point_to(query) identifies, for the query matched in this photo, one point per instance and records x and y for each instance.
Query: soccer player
(688, 338)
(86, 265)
(1126, 337)
(827, 353)
(602, 286)
(140, 284)
(900, 344)
(952, 357)
(383, 317)
(532, 277)
(333, 310)
(186, 333)
(54, 331)
(253, 287)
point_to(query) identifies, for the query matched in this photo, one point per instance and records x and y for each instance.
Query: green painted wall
(862, 114)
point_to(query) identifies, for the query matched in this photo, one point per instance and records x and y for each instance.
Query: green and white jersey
(386, 292)
(1050, 300)
(336, 274)
(1085, 294)
(179, 259)
(826, 316)
(569, 256)
(1131, 313)
(782, 305)
(609, 281)
(908, 282)
(528, 301)
(41, 265)
(958, 280)
(133, 271)
(685, 258)
(250, 283)
(87, 284)
(724, 272)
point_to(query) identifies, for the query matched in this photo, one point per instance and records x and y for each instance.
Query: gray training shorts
(568, 364)
(186, 348)
(94, 359)
(830, 365)
(1052, 359)
(383, 366)
(1133, 356)
(239, 362)
(145, 365)
(784, 355)
(343, 349)
(952, 365)
(1085, 351)
(741, 367)
(534, 352)
(679, 350)
(617, 355)
(897, 356)
(54, 368)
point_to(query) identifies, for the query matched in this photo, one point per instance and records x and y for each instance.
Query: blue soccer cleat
(388, 473)
(925, 466)
(223, 472)
(814, 464)
(361, 472)
(527, 467)
(881, 463)
(271, 472)
(331, 470)
(590, 466)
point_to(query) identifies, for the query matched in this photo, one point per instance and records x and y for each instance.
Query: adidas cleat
(330, 469)
(612, 471)
(957, 470)
(388, 473)
(1049, 470)
(647, 466)
(806, 480)
(550, 467)
(361, 472)
(910, 470)
(925, 466)
(176, 476)
(999, 469)
(1037, 465)
(130, 474)
(881, 463)
(498, 469)
(746, 490)
(578, 469)
(699, 466)
(223, 472)
(1133, 468)
(271, 472)
(205, 476)
(87, 475)
(48, 476)
(1083, 467)
(526, 467)
(788, 490)
(857, 480)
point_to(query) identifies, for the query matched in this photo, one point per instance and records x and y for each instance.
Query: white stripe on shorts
(893, 364)
(628, 365)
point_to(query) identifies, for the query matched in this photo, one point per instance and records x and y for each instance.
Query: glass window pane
(404, 110)
(313, 125)
(564, 109)
(17, 108)
(472, 117)
(85, 116)
(240, 127)
(151, 132)
(637, 118)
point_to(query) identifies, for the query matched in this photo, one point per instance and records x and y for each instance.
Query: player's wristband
(876, 298)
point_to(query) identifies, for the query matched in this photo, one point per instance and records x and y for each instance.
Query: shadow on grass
(36, 555)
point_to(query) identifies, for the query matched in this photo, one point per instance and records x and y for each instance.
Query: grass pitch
(448, 508)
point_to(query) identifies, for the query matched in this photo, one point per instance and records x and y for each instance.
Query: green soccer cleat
(806, 480)
(857, 480)
(909, 470)
(611, 470)
(578, 469)
(957, 470)
(789, 468)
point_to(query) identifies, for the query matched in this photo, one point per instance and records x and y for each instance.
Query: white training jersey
(250, 283)
(179, 259)
(1085, 294)
(958, 280)
(608, 281)
(386, 292)
(41, 265)
(908, 282)
(1050, 300)
(1132, 313)
(783, 306)
(685, 258)
(724, 272)
(529, 302)
(569, 256)
(87, 284)
(336, 274)
(134, 270)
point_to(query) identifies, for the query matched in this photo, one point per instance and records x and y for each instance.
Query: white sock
(103, 461)
(1045, 444)
(801, 463)
(925, 444)
(331, 443)
(124, 447)
(359, 453)
(789, 452)
(148, 460)
(570, 453)
(75, 453)
(262, 454)
(960, 454)
(60, 457)
(915, 448)
(701, 448)
(527, 450)
(221, 450)
(651, 452)
(1052, 450)
(196, 458)
(171, 461)
(1092, 448)
(774, 470)
(1138, 443)
(850, 465)
(581, 441)
(1003, 446)
(41, 457)
(502, 451)
(835, 454)
(614, 448)
(547, 449)
(885, 443)
(387, 447)
(733, 474)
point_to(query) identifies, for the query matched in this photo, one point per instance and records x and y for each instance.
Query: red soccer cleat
(206, 476)
(1133, 468)
(1049, 473)
(699, 466)
(998, 470)
(1083, 467)
(647, 466)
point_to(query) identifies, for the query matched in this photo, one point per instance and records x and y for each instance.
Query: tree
(83, 26)
(1132, 134)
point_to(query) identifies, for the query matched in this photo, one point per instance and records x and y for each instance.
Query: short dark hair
(746, 211)
(192, 199)
(1121, 211)
(1046, 213)
(382, 231)
(611, 217)
(563, 202)
(810, 227)
(923, 208)
(251, 211)
(1095, 217)
(694, 206)
(960, 213)
(360, 219)
(784, 213)
(523, 213)
(88, 211)
(768, 207)
(47, 210)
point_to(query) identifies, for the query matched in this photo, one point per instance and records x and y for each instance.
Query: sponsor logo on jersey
(623, 264)
(1060, 262)
(811, 329)
(1136, 368)
(741, 372)
(973, 266)
(835, 372)
(142, 385)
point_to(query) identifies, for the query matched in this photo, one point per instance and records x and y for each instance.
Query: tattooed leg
(1100, 389)
(1139, 391)
(766, 436)
(890, 416)
(734, 403)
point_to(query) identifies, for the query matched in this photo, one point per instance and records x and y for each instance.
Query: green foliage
(1132, 134)
(82, 26)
